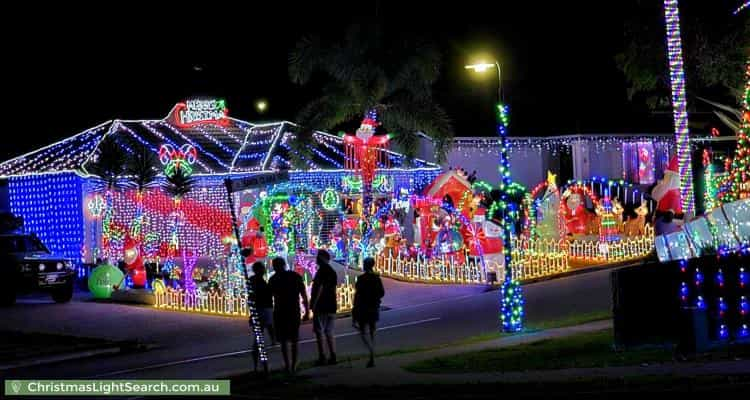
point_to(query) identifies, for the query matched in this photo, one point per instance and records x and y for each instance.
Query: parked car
(27, 265)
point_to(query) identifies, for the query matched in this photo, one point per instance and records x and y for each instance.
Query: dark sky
(73, 69)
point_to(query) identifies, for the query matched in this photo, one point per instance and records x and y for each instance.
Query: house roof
(228, 146)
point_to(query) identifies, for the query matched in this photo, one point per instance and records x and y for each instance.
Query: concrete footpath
(389, 370)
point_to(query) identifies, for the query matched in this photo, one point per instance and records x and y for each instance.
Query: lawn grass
(568, 320)
(585, 350)
(591, 349)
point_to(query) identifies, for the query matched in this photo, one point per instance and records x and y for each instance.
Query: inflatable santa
(574, 212)
(133, 258)
(668, 216)
(255, 240)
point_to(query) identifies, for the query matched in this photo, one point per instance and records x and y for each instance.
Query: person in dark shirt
(324, 307)
(366, 311)
(287, 288)
(263, 304)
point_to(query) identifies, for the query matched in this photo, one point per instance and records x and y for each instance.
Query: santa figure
(133, 258)
(574, 211)
(668, 216)
(255, 240)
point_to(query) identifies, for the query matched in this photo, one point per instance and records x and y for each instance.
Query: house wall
(528, 166)
(51, 206)
(4, 200)
(531, 158)
(606, 162)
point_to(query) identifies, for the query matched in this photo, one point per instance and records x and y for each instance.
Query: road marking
(397, 308)
(240, 352)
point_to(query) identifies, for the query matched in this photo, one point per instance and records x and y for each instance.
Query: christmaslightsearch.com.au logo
(139, 387)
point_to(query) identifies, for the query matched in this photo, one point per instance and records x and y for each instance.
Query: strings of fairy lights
(679, 102)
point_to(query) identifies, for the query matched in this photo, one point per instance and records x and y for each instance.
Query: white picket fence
(435, 270)
(229, 305)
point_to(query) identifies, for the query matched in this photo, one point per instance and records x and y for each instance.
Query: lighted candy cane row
(174, 159)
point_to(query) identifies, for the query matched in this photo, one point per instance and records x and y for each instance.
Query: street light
(261, 106)
(481, 67)
(511, 307)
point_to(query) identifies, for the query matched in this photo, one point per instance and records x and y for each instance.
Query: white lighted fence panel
(229, 305)
(613, 251)
(532, 258)
(431, 271)
(538, 258)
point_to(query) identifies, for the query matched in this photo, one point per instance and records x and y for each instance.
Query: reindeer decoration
(636, 226)
(617, 210)
(594, 222)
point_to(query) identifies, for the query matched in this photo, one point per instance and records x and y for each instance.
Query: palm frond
(335, 107)
(326, 112)
(141, 168)
(367, 72)
(178, 184)
(729, 122)
(407, 117)
(419, 70)
(734, 111)
(109, 162)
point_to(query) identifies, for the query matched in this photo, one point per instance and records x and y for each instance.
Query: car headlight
(41, 267)
(59, 266)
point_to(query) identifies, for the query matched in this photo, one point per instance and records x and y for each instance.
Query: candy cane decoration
(174, 159)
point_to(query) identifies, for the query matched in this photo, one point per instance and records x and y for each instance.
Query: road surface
(202, 346)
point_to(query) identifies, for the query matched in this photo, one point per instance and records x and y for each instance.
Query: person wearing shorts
(324, 307)
(287, 288)
(366, 310)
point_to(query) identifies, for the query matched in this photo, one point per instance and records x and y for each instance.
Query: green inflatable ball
(102, 280)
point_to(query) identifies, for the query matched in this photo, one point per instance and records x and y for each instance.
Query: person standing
(366, 311)
(324, 307)
(263, 304)
(287, 288)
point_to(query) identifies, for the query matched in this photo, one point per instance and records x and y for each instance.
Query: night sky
(71, 69)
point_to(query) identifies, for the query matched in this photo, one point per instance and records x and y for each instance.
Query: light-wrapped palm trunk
(679, 103)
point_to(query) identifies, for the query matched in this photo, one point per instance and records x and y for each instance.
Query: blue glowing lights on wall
(51, 207)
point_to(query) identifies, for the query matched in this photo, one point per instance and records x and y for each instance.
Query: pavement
(390, 370)
(184, 345)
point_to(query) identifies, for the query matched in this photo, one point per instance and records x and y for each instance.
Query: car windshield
(34, 244)
(21, 244)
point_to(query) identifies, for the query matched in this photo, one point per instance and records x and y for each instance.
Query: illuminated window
(638, 162)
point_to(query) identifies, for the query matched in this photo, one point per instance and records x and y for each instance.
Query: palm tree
(177, 185)
(679, 106)
(108, 166)
(141, 172)
(731, 117)
(368, 72)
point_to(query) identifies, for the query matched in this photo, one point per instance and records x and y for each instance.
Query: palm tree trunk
(107, 222)
(137, 224)
(679, 103)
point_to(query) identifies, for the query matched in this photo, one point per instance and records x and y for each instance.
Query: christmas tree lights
(738, 181)
(711, 185)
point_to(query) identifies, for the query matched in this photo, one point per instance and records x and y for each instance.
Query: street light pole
(499, 82)
(511, 307)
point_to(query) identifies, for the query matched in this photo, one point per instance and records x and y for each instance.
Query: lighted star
(551, 178)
